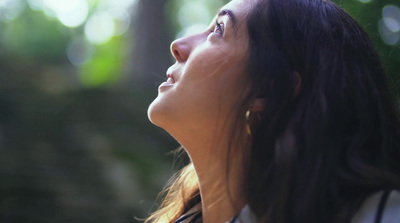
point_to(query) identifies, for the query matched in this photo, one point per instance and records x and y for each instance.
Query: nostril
(177, 55)
(179, 50)
(176, 52)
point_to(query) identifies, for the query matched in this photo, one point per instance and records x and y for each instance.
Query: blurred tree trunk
(151, 56)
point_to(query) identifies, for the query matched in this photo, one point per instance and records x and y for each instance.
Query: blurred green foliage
(106, 66)
(27, 35)
(75, 142)
(372, 18)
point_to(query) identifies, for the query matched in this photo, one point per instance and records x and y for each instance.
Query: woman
(284, 110)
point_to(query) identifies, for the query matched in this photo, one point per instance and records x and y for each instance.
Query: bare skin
(195, 105)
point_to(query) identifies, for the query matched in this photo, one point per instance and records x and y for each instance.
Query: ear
(258, 104)
(297, 88)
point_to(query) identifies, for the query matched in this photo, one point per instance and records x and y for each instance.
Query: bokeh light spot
(125, 4)
(36, 4)
(365, 1)
(79, 50)
(391, 17)
(10, 9)
(387, 35)
(193, 13)
(99, 28)
(122, 20)
(71, 13)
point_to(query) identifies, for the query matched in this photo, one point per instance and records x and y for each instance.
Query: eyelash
(218, 28)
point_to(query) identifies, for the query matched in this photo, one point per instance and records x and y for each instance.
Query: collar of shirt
(194, 215)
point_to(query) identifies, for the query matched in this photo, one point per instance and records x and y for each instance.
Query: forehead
(240, 8)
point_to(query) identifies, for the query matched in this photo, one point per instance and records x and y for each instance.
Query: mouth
(170, 79)
(167, 84)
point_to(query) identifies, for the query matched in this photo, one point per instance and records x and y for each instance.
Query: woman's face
(209, 77)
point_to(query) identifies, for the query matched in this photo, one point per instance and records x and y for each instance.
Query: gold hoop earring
(248, 129)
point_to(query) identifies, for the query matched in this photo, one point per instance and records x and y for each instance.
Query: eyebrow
(230, 14)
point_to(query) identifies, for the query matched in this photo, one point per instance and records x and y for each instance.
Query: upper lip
(171, 78)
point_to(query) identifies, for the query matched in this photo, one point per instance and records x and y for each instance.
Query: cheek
(215, 69)
(233, 87)
(207, 86)
(219, 90)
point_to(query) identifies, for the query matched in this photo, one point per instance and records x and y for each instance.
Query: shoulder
(389, 203)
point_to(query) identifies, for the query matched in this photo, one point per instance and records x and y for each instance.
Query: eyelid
(219, 25)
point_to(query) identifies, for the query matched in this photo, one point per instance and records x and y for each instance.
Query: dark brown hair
(315, 157)
(316, 154)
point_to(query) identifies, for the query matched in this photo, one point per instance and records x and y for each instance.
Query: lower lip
(165, 85)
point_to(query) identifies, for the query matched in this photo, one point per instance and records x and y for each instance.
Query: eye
(219, 28)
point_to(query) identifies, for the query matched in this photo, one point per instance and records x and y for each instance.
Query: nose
(180, 49)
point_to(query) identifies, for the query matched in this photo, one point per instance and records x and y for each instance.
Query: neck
(219, 198)
(219, 187)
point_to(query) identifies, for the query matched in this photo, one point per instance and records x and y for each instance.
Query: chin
(157, 113)
(152, 113)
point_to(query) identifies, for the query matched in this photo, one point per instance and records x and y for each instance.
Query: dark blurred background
(76, 78)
